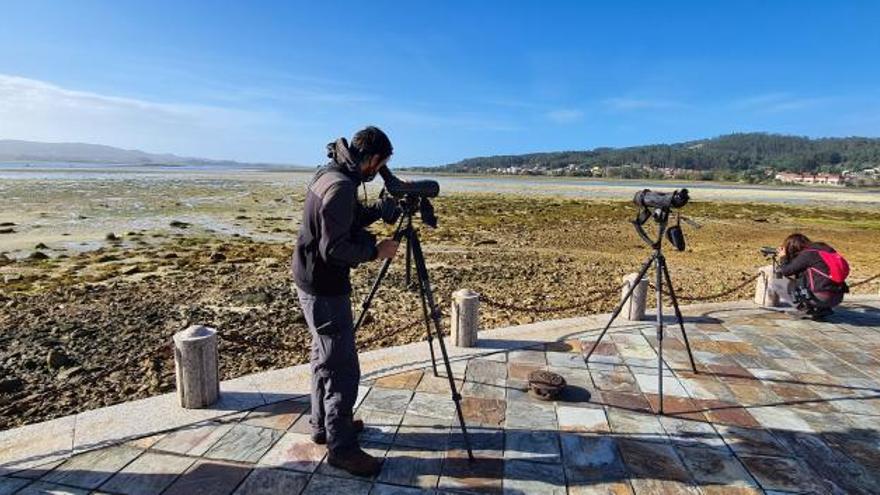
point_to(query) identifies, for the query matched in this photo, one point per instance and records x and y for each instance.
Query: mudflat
(125, 259)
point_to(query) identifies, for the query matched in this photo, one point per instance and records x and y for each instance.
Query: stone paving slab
(209, 477)
(149, 474)
(91, 469)
(777, 406)
(273, 481)
(244, 443)
(294, 451)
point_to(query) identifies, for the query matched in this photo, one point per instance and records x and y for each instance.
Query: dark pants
(813, 301)
(335, 367)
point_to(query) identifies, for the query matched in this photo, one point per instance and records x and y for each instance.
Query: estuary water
(572, 187)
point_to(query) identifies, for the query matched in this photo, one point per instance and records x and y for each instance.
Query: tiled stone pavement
(777, 405)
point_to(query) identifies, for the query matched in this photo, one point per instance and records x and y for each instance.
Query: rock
(41, 246)
(217, 257)
(12, 277)
(255, 298)
(5, 260)
(7, 224)
(107, 258)
(38, 256)
(263, 360)
(68, 373)
(10, 385)
(7, 230)
(57, 359)
(177, 224)
(131, 270)
(486, 242)
(111, 237)
(169, 256)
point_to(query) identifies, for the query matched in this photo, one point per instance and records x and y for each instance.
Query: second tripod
(661, 215)
(405, 232)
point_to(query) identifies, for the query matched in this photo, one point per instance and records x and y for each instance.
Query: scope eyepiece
(647, 198)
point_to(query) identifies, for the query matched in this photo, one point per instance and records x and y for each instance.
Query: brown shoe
(355, 461)
(320, 437)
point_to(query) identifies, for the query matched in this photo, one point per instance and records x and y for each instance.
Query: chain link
(559, 309)
(723, 293)
(865, 281)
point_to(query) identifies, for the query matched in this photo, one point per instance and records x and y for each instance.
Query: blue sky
(275, 81)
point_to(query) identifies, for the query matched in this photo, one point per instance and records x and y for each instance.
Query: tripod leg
(659, 269)
(677, 312)
(422, 274)
(619, 307)
(408, 265)
(399, 233)
(428, 325)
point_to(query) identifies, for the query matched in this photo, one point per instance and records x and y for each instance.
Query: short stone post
(764, 293)
(196, 364)
(634, 309)
(465, 317)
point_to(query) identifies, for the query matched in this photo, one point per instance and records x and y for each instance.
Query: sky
(274, 82)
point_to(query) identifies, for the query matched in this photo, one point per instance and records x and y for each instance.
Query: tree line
(735, 154)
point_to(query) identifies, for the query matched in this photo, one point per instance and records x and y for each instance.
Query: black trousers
(814, 300)
(335, 367)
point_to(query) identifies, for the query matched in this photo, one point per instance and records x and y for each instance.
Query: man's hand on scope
(388, 208)
(387, 249)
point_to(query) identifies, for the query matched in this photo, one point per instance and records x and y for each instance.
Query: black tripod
(661, 216)
(406, 232)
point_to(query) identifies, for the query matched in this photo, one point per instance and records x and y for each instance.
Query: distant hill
(739, 154)
(30, 151)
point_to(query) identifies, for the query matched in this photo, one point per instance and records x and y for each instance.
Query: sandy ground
(98, 302)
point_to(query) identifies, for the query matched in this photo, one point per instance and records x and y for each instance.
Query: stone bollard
(764, 293)
(465, 317)
(196, 364)
(634, 309)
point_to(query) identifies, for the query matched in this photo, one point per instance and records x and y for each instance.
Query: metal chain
(391, 331)
(862, 282)
(723, 293)
(531, 309)
(238, 340)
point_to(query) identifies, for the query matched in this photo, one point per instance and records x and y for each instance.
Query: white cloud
(624, 104)
(41, 111)
(565, 115)
(777, 102)
(435, 120)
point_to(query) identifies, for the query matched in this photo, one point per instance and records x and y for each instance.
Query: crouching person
(332, 240)
(819, 273)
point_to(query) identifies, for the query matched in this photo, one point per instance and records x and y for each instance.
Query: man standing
(332, 240)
